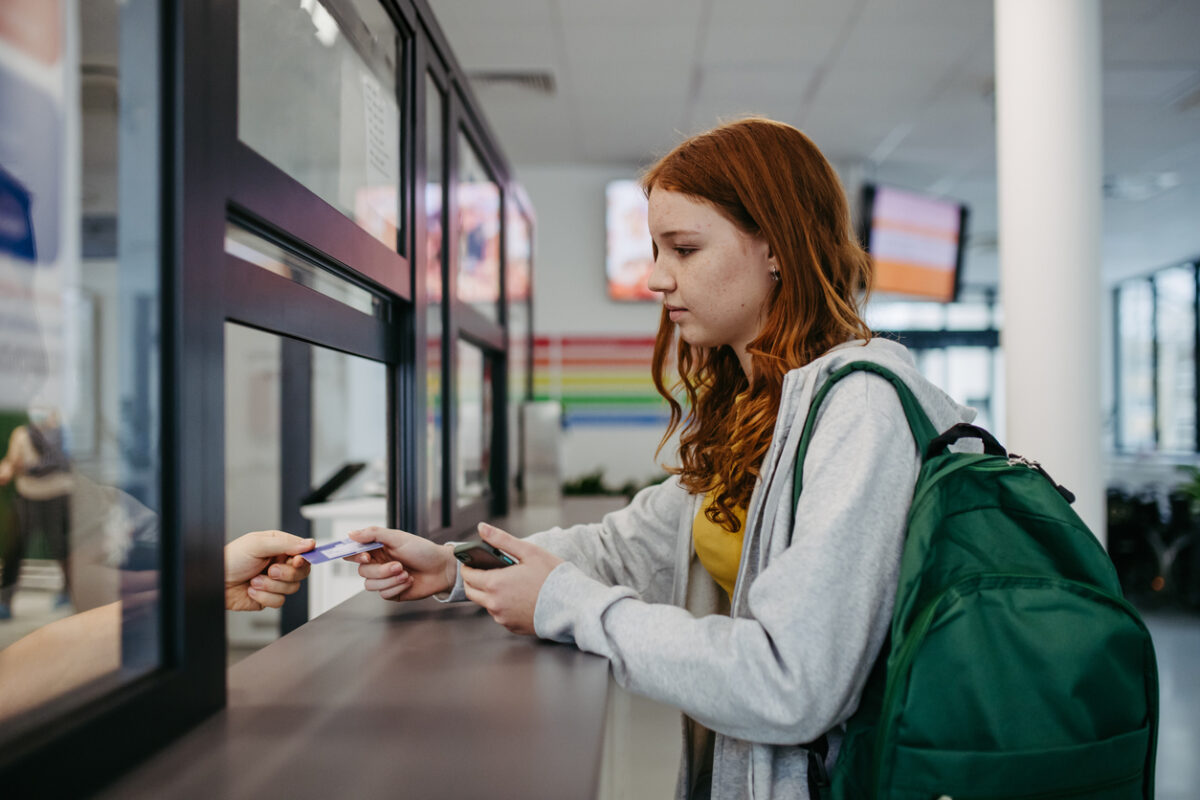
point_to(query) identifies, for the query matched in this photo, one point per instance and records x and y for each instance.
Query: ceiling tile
(597, 45)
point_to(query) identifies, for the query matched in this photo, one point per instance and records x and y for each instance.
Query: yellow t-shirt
(719, 550)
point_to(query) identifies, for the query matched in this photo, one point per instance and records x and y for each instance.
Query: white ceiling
(892, 90)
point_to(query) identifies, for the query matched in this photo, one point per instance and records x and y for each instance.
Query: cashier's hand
(407, 567)
(510, 594)
(261, 568)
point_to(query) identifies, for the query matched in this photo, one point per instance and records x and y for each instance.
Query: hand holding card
(339, 549)
(263, 567)
(408, 567)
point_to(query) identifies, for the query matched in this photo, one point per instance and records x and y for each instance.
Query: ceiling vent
(534, 80)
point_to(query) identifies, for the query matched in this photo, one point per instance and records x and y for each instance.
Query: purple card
(339, 549)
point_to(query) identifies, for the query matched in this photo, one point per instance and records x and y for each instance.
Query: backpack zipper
(1015, 460)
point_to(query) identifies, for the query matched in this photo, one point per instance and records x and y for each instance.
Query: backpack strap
(926, 438)
(922, 429)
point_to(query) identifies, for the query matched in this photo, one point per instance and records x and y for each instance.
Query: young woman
(706, 592)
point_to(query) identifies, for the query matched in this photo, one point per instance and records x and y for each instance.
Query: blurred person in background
(36, 458)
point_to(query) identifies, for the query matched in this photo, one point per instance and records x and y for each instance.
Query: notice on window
(382, 127)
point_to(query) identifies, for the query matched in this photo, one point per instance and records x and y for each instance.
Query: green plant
(1191, 486)
(592, 483)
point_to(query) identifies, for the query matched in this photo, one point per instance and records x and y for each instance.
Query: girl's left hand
(510, 594)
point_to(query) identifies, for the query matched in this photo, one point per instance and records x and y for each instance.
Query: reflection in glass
(518, 277)
(256, 250)
(1175, 292)
(80, 409)
(317, 98)
(1135, 427)
(473, 418)
(478, 199)
(345, 397)
(434, 269)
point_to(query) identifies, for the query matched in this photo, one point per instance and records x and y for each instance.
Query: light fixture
(326, 26)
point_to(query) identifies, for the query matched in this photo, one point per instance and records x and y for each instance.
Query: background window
(1135, 354)
(1175, 293)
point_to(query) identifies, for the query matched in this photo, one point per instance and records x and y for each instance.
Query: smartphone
(482, 555)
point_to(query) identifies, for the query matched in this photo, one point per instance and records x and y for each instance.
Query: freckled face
(714, 277)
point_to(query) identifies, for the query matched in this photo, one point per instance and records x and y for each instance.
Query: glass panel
(473, 415)
(349, 429)
(317, 96)
(1175, 291)
(80, 365)
(434, 261)
(253, 462)
(478, 232)
(519, 272)
(256, 250)
(347, 398)
(1135, 356)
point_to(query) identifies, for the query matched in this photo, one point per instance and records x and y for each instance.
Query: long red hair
(769, 180)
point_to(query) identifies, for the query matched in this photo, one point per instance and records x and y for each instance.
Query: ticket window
(299, 418)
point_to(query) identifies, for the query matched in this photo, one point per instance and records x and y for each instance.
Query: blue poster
(30, 162)
(16, 225)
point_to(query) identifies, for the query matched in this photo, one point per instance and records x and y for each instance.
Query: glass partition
(518, 278)
(434, 270)
(334, 412)
(478, 232)
(80, 362)
(473, 417)
(1175, 292)
(317, 96)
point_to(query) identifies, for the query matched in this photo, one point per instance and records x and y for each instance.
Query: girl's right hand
(407, 567)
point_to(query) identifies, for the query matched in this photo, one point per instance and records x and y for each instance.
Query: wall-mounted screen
(916, 242)
(629, 252)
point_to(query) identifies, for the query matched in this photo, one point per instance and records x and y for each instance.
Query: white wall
(570, 298)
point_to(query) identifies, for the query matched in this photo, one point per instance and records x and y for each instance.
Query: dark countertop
(377, 699)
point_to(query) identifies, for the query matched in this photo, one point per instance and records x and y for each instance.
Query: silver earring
(774, 274)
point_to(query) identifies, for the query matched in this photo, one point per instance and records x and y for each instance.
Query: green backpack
(1014, 668)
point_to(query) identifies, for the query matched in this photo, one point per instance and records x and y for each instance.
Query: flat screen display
(629, 253)
(916, 242)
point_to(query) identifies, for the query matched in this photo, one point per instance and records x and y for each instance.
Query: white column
(1049, 164)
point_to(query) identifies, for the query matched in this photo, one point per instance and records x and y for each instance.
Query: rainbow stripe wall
(600, 380)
